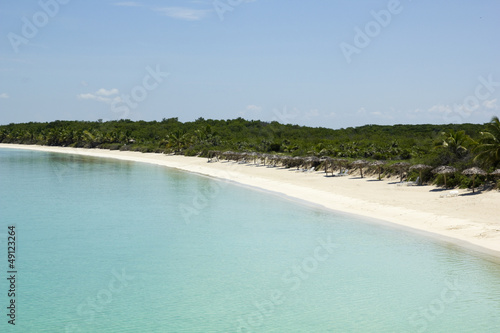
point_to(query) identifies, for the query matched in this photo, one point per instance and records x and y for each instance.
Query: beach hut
(420, 168)
(444, 170)
(474, 171)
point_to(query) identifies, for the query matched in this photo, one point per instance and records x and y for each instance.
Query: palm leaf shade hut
(444, 170)
(420, 168)
(359, 164)
(473, 172)
(378, 165)
(401, 167)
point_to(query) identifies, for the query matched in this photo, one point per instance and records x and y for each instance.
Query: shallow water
(114, 246)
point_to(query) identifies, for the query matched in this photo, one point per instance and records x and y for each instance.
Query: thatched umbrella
(360, 164)
(378, 165)
(311, 160)
(275, 159)
(254, 156)
(496, 172)
(240, 156)
(326, 162)
(473, 172)
(420, 168)
(340, 162)
(264, 157)
(297, 161)
(444, 170)
(401, 167)
(227, 155)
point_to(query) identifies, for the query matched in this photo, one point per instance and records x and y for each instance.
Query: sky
(325, 63)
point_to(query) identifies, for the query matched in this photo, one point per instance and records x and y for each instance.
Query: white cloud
(183, 13)
(254, 108)
(439, 108)
(104, 92)
(102, 95)
(491, 104)
(4, 96)
(128, 4)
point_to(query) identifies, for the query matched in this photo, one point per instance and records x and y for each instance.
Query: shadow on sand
(476, 192)
(440, 189)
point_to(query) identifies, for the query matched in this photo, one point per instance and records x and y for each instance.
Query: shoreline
(469, 221)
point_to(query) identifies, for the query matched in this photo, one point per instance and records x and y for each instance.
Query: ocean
(103, 245)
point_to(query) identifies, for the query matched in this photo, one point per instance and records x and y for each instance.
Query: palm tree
(489, 145)
(455, 142)
(177, 140)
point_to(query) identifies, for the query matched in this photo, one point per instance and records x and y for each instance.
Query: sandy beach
(469, 221)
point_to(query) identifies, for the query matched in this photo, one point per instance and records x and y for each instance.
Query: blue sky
(318, 63)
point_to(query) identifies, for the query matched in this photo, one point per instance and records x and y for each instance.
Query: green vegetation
(461, 146)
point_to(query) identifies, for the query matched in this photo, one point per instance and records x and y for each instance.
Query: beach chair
(409, 183)
(413, 183)
(344, 173)
(453, 193)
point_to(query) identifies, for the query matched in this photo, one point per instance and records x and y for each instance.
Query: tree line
(458, 145)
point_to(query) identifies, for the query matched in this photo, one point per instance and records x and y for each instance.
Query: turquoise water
(113, 246)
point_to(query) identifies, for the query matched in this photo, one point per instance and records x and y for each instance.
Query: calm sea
(113, 246)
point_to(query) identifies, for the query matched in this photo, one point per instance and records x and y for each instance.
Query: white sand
(470, 221)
